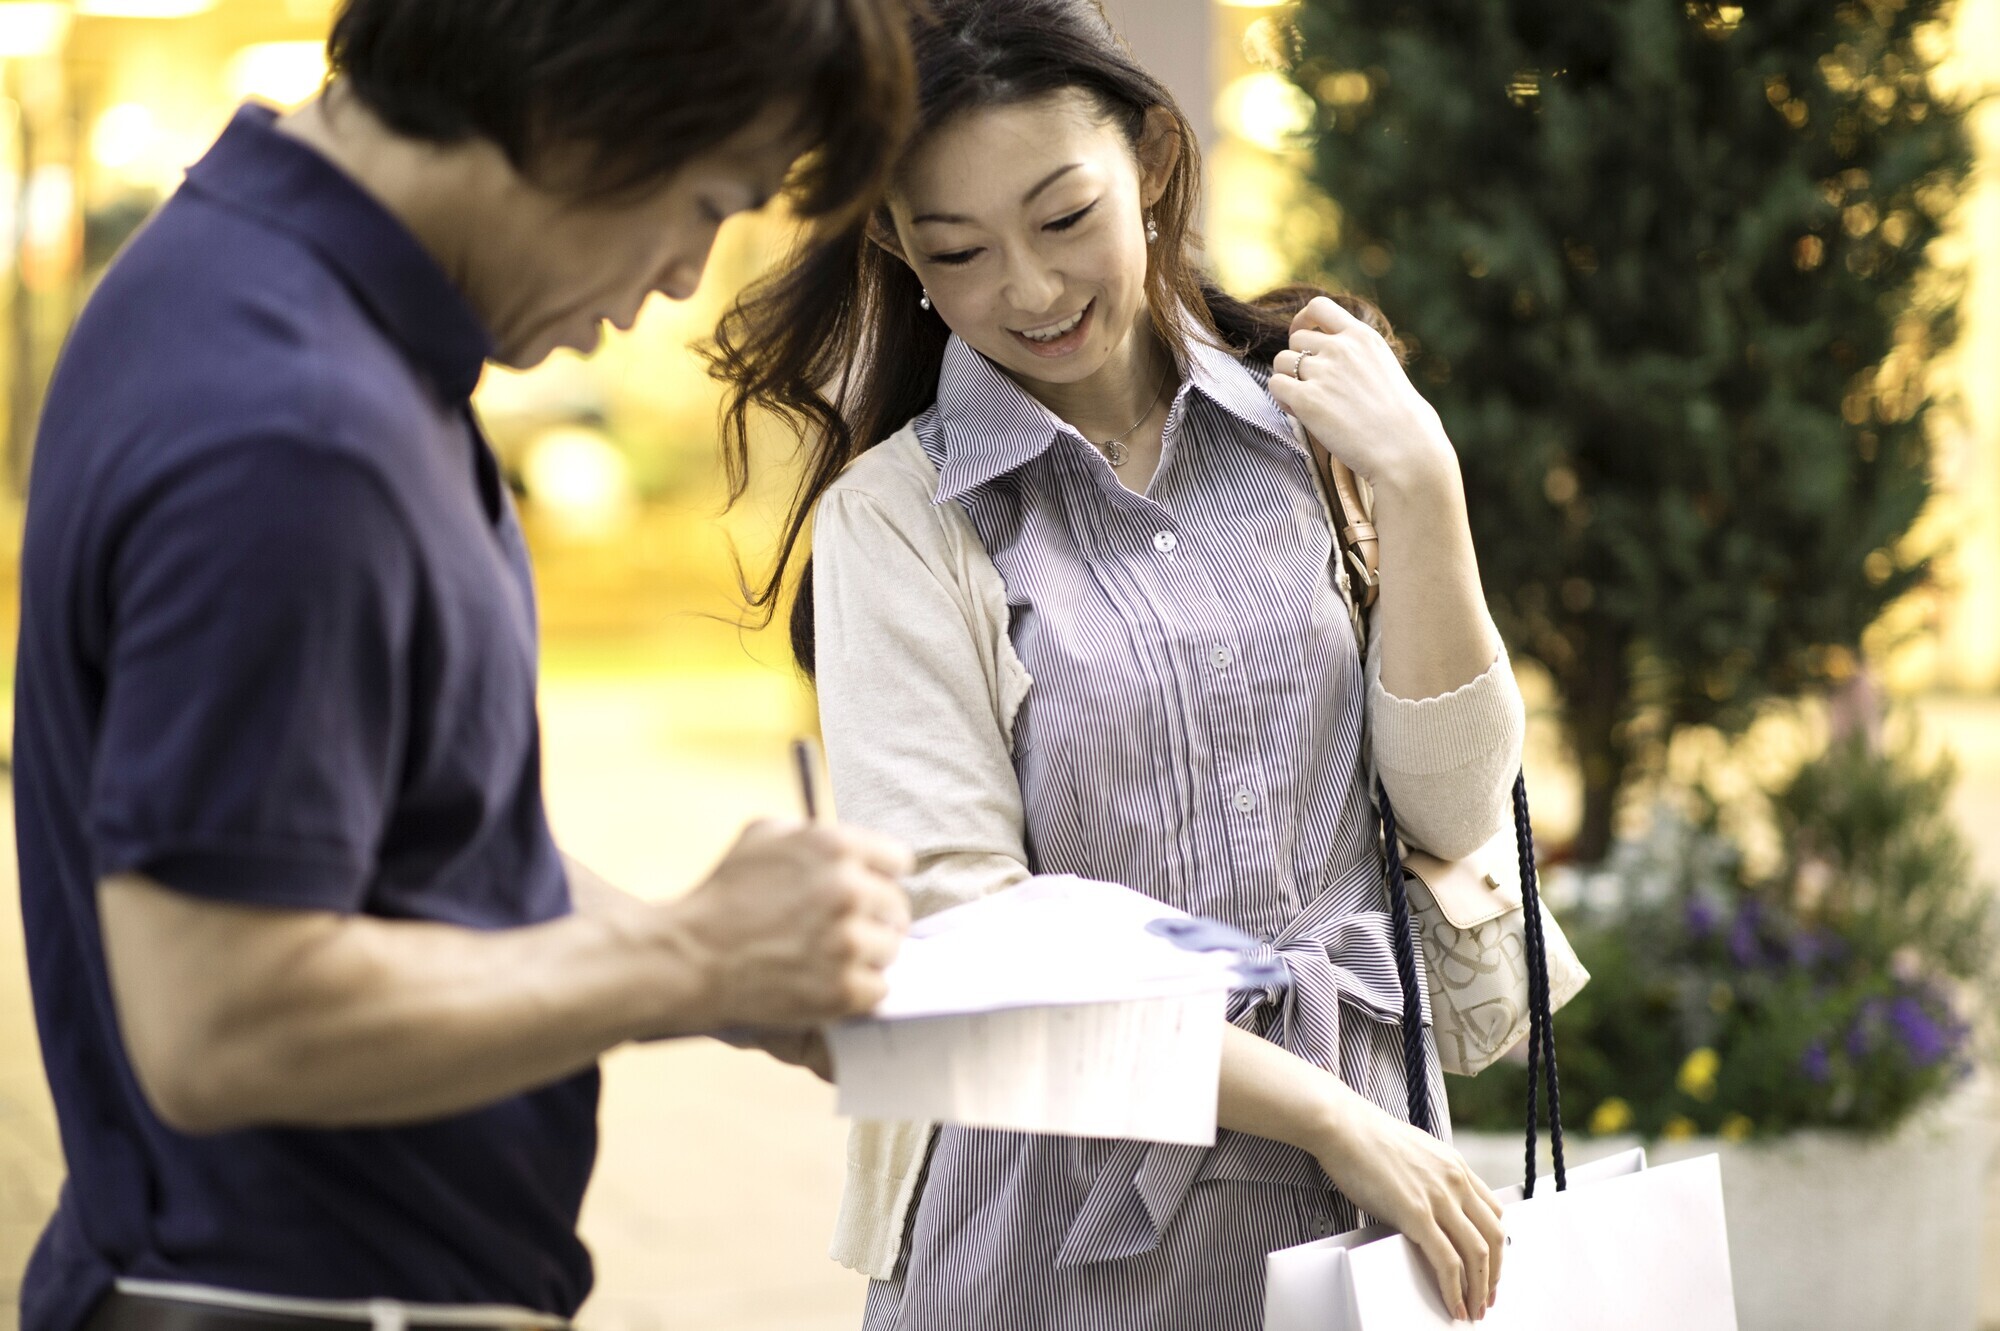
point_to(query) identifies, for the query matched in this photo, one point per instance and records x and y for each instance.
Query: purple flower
(1745, 949)
(1808, 948)
(1702, 917)
(1922, 1037)
(1816, 1063)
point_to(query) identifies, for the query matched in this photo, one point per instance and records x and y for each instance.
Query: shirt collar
(989, 425)
(284, 184)
(1238, 389)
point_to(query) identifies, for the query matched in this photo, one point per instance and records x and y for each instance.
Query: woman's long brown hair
(835, 343)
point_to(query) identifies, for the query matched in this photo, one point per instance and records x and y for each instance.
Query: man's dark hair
(626, 91)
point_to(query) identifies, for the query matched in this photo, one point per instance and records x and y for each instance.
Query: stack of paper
(1061, 1005)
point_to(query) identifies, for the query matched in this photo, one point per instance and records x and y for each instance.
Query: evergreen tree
(1662, 267)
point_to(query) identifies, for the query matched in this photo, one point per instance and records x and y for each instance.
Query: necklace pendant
(1115, 452)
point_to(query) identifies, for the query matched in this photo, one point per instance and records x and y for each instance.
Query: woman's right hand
(1410, 1180)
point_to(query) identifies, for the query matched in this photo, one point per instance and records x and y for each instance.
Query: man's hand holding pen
(797, 923)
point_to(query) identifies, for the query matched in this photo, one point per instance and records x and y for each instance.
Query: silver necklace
(1114, 448)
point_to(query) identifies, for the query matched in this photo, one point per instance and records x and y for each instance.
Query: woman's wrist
(1421, 475)
(1334, 1124)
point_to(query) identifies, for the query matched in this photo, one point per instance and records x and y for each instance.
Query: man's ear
(881, 232)
(1160, 149)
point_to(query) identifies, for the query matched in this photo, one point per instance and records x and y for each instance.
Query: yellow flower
(1678, 1129)
(1736, 1128)
(1697, 1076)
(1614, 1115)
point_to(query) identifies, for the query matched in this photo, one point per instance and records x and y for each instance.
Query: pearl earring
(1152, 229)
(924, 301)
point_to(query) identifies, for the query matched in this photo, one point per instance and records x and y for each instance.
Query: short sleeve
(260, 612)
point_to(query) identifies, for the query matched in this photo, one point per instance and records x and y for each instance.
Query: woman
(1076, 618)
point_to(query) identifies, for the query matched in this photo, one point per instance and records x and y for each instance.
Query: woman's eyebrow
(1046, 181)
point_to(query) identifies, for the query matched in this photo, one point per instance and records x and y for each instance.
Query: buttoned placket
(1186, 573)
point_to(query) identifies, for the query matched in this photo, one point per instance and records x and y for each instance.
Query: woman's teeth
(1054, 331)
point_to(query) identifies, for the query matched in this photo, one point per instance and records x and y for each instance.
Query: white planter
(1827, 1231)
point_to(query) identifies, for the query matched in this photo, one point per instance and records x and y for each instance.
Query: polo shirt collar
(260, 171)
(989, 425)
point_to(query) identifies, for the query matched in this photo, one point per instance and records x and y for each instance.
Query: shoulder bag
(1472, 916)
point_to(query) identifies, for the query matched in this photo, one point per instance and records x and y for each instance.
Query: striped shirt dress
(1194, 732)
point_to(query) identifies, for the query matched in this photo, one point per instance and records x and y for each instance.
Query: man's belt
(151, 1306)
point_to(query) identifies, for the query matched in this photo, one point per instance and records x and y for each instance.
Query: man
(319, 999)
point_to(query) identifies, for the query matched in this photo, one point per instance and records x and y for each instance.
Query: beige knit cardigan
(918, 689)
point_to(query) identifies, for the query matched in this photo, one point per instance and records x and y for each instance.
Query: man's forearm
(591, 893)
(237, 1016)
(352, 1020)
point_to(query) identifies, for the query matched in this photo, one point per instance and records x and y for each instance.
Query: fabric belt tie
(1329, 960)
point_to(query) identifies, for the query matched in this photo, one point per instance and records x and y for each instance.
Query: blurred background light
(286, 73)
(28, 30)
(580, 480)
(143, 8)
(124, 136)
(49, 235)
(1265, 108)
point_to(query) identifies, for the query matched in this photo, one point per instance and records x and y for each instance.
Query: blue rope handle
(1541, 1021)
(1416, 1079)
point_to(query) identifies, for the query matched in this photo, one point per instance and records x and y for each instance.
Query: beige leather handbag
(1468, 914)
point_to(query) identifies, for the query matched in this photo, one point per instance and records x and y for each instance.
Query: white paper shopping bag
(1624, 1246)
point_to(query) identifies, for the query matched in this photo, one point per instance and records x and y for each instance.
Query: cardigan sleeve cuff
(1450, 732)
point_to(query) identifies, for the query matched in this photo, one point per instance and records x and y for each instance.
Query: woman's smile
(1060, 338)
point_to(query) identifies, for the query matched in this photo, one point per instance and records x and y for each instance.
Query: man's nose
(683, 275)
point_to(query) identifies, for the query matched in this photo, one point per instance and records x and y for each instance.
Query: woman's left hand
(1342, 382)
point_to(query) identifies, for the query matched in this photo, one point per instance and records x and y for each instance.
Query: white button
(1166, 542)
(1245, 801)
(1221, 658)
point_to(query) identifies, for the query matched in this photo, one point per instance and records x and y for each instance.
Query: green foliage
(1837, 993)
(1873, 852)
(1659, 263)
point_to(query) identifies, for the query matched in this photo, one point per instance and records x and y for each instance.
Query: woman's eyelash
(1065, 223)
(957, 257)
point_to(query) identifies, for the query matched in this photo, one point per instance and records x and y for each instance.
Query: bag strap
(1416, 1070)
(1360, 548)
(1353, 518)
(1541, 1020)
(1355, 543)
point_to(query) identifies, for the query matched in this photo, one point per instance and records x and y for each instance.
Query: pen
(805, 757)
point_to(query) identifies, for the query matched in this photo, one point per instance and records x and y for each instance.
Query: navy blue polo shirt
(278, 650)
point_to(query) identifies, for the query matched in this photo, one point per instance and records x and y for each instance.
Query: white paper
(1624, 1246)
(1051, 940)
(1047, 1007)
(1145, 1070)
